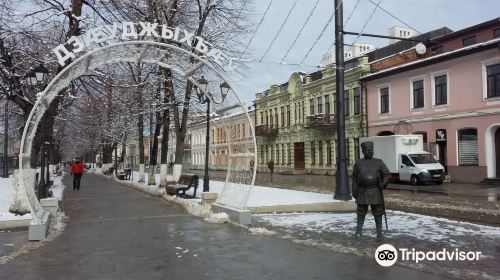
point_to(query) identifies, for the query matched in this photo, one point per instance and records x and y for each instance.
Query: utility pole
(342, 182)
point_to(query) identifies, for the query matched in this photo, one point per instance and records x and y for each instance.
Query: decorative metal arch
(240, 177)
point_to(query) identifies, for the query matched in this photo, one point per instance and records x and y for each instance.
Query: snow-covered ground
(260, 196)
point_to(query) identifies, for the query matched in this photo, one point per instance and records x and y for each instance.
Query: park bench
(124, 174)
(109, 171)
(185, 182)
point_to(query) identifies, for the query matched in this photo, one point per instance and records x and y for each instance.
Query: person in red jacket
(77, 172)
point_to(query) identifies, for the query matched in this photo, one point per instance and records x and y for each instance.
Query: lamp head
(224, 90)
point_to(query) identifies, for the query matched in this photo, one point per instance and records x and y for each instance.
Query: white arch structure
(239, 178)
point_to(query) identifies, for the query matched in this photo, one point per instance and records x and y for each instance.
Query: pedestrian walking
(270, 165)
(369, 176)
(77, 171)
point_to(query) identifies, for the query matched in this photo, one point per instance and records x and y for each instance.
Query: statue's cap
(367, 144)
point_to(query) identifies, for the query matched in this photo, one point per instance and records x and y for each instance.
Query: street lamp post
(34, 78)
(6, 141)
(203, 96)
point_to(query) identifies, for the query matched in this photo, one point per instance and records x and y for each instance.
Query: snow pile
(57, 224)
(192, 206)
(5, 194)
(219, 218)
(57, 188)
(261, 231)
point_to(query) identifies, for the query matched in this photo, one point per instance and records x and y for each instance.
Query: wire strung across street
(398, 19)
(322, 32)
(279, 31)
(301, 29)
(257, 28)
(345, 23)
(364, 26)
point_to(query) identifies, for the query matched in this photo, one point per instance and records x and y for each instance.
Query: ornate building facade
(296, 120)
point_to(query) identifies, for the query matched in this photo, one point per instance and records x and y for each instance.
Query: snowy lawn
(260, 196)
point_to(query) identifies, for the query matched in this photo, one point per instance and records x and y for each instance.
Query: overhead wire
(301, 29)
(364, 25)
(398, 19)
(347, 21)
(257, 28)
(279, 31)
(322, 31)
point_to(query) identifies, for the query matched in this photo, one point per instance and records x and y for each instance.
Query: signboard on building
(440, 135)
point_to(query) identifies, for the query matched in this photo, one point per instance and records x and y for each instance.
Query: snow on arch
(239, 179)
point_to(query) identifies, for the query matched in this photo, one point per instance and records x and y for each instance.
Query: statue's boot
(378, 224)
(359, 226)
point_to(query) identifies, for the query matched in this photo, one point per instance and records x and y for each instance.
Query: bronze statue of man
(369, 176)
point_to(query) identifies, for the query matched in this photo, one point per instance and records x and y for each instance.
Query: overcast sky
(422, 15)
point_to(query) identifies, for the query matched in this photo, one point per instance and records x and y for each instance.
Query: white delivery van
(406, 159)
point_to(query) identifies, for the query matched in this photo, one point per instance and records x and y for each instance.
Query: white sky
(423, 15)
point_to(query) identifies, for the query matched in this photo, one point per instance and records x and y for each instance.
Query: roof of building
(434, 59)
(406, 45)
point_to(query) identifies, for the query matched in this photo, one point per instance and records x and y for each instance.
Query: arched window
(467, 147)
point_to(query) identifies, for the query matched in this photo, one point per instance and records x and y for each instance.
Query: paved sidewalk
(115, 232)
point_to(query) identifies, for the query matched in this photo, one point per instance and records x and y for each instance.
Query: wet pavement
(114, 232)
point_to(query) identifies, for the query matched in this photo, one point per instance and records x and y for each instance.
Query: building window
(288, 115)
(347, 105)
(283, 154)
(303, 111)
(320, 143)
(278, 154)
(313, 153)
(384, 100)
(311, 106)
(296, 118)
(261, 154)
(418, 94)
(267, 119)
(347, 149)
(467, 41)
(441, 90)
(329, 152)
(356, 148)
(276, 116)
(267, 153)
(289, 153)
(261, 117)
(437, 50)
(282, 116)
(357, 101)
(327, 104)
(493, 80)
(496, 33)
(320, 105)
(271, 117)
(467, 147)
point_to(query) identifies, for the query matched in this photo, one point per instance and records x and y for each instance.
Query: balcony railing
(266, 131)
(321, 121)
